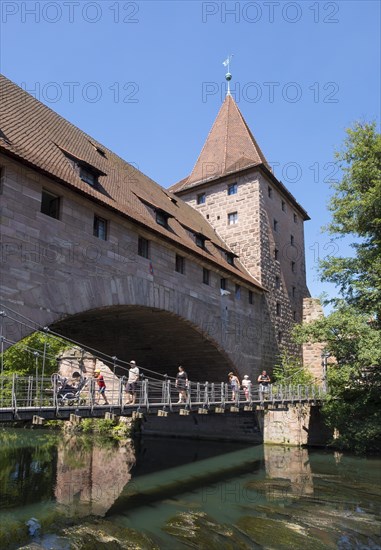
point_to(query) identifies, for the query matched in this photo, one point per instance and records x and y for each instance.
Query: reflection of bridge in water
(33, 398)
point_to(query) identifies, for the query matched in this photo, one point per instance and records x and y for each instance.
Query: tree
(356, 211)
(22, 359)
(352, 332)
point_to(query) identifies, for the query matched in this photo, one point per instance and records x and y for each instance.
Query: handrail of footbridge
(30, 397)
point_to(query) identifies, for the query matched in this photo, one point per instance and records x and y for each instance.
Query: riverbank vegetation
(351, 333)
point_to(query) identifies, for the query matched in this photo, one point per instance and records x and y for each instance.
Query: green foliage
(20, 357)
(290, 370)
(356, 210)
(351, 333)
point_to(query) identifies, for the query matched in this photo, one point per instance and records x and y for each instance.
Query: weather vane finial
(228, 76)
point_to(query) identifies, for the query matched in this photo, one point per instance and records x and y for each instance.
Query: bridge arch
(156, 339)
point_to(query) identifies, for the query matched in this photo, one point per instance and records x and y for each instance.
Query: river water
(70, 492)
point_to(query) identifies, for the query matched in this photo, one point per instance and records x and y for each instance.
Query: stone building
(233, 187)
(209, 274)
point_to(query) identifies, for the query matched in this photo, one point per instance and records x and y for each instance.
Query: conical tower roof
(229, 147)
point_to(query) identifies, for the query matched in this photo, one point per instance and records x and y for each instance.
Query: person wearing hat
(246, 385)
(133, 377)
(101, 386)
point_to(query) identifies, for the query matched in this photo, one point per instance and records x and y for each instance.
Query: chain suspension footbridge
(40, 396)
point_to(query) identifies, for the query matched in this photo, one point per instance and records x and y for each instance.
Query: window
(205, 276)
(180, 264)
(295, 218)
(201, 198)
(162, 218)
(280, 336)
(293, 291)
(50, 204)
(278, 309)
(230, 258)
(200, 241)
(237, 292)
(251, 297)
(88, 176)
(292, 240)
(276, 254)
(100, 228)
(269, 192)
(283, 206)
(232, 189)
(275, 225)
(143, 247)
(294, 315)
(232, 218)
(277, 281)
(223, 284)
(293, 267)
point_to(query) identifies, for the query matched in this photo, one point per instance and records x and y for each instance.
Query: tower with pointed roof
(234, 188)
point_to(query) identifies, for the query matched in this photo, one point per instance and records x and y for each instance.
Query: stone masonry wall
(52, 269)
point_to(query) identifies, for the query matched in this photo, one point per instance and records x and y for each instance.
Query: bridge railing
(18, 392)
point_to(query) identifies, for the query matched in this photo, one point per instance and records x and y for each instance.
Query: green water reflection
(171, 494)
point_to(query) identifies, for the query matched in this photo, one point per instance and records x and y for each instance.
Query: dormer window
(88, 176)
(200, 241)
(230, 258)
(162, 218)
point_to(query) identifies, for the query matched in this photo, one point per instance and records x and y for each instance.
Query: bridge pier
(297, 424)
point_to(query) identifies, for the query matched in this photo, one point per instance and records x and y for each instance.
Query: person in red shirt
(101, 386)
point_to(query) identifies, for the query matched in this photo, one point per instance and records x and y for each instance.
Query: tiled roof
(229, 147)
(42, 139)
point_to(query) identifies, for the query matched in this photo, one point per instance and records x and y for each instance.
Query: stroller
(68, 394)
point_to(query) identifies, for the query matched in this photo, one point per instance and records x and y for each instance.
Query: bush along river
(78, 492)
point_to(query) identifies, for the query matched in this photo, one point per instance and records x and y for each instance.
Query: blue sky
(146, 79)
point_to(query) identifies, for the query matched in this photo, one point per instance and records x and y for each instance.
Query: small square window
(283, 206)
(276, 254)
(223, 284)
(269, 192)
(237, 292)
(292, 240)
(232, 218)
(293, 267)
(251, 297)
(275, 225)
(50, 204)
(180, 264)
(201, 198)
(278, 309)
(100, 228)
(205, 276)
(143, 247)
(295, 218)
(232, 189)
